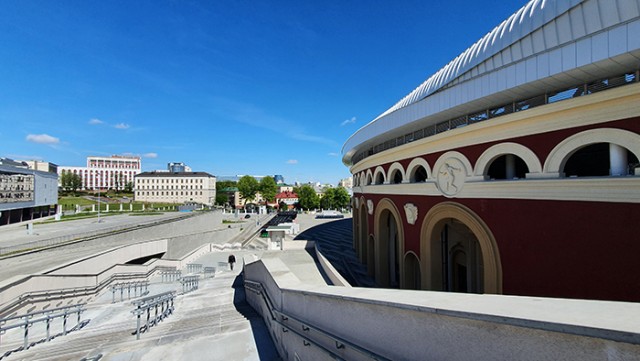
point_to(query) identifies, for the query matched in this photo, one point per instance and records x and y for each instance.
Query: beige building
(179, 187)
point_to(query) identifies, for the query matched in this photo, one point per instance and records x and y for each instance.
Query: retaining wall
(414, 325)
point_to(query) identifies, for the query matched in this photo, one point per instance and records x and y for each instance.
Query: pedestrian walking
(231, 260)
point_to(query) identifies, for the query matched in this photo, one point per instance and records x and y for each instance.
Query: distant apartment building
(26, 194)
(176, 187)
(284, 188)
(346, 182)
(178, 167)
(105, 173)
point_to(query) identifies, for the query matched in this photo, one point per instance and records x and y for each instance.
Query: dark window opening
(589, 161)
(397, 177)
(498, 168)
(419, 175)
(379, 178)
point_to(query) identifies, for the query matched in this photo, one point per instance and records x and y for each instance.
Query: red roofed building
(289, 198)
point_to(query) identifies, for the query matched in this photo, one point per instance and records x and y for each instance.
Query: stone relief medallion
(451, 177)
(411, 211)
(370, 206)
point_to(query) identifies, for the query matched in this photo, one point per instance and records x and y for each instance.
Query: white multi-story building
(178, 187)
(112, 172)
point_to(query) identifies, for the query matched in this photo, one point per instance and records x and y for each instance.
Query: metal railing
(162, 304)
(26, 321)
(35, 297)
(504, 109)
(310, 334)
(170, 276)
(194, 268)
(140, 288)
(190, 283)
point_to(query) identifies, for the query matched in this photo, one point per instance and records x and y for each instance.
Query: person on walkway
(231, 260)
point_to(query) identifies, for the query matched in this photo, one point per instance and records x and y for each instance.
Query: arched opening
(388, 249)
(508, 166)
(371, 257)
(369, 180)
(411, 274)
(379, 178)
(456, 261)
(396, 177)
(460, 252)
(355, 222)
(419, 175)
(600, 159)
(364, 232)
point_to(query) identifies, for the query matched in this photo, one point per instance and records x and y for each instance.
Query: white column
(618, 160)
(511, 166)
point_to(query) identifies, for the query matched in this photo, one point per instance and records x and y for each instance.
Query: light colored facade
(346, 183)
(106, 172)
(26, 194)
(42, 166)
(514, 169)
(178, 188)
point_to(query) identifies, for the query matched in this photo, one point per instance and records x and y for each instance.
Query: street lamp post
(98, 204)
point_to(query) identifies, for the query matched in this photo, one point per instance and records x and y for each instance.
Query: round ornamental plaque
(451, 177)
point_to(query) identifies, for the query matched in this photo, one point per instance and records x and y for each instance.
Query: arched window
(380, 178)
(595, 161)
(396, 177)
(419, 175)
(508, 166)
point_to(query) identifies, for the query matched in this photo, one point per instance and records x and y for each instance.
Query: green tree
(327, 201)
(128, 187)
(282, 206)
(248, 187)
(341, 198)
(70, 181)
(222, 198)
(268, 188)
(307, 197)
(226, 184)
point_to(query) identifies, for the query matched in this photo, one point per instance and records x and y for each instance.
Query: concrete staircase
(211, 323)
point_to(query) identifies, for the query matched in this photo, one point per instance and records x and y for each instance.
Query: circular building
(514, 169)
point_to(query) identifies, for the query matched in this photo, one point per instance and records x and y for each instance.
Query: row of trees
(334, 198)
(248, 187)
(72, 182)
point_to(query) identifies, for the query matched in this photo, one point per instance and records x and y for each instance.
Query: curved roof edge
(529, 18)
(523, 22)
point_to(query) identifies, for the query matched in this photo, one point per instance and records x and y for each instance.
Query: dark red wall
(560, 249)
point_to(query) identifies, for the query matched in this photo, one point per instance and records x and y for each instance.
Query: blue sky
(227, 87)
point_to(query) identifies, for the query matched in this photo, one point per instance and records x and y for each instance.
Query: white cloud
(348, 121)
(95, 121)
(150, 155)
(122, 126)
(333, 154)
(42, 139)
(292, 161)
